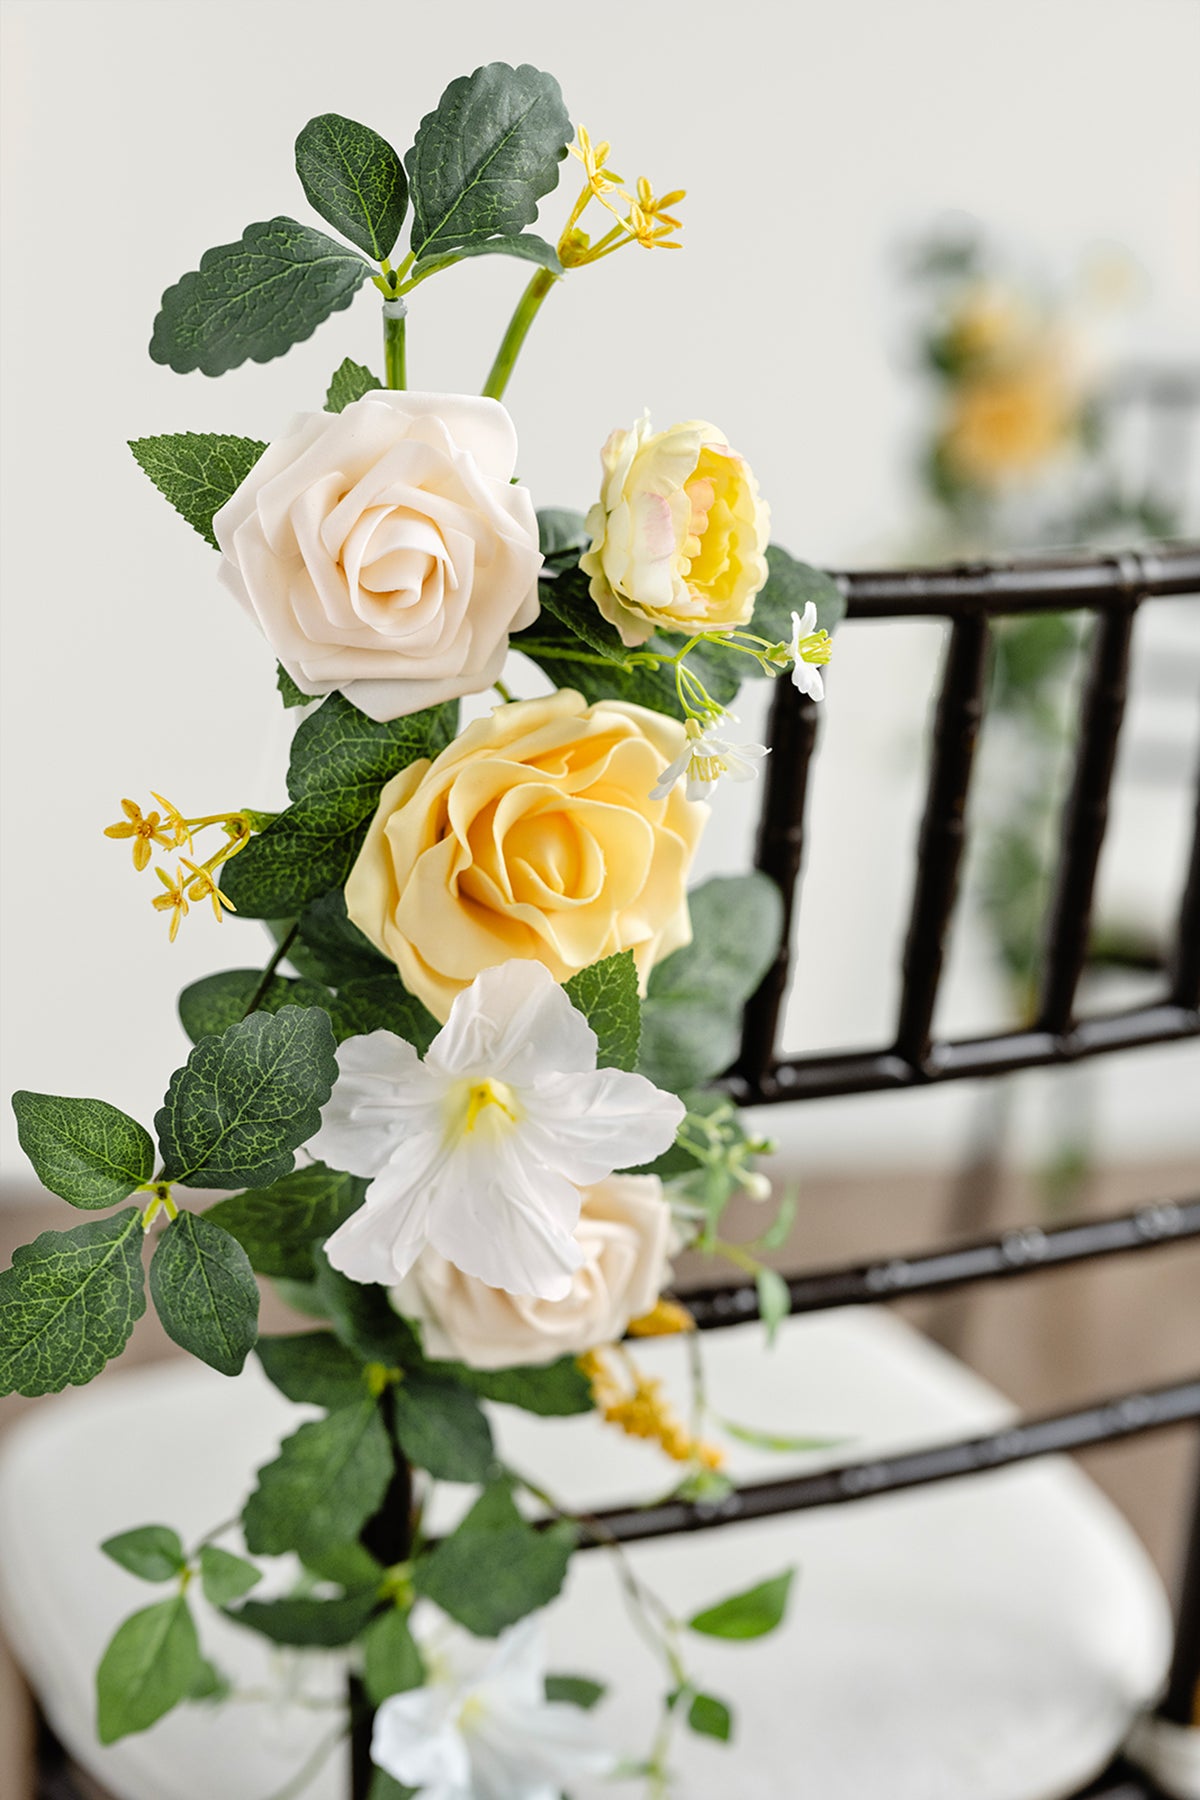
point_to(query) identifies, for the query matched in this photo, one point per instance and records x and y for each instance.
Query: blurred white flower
(704, 759)
(486, 1733)
(809, 648)
(480, 1150)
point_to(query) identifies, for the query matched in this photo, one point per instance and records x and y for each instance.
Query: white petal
(807, 677)
(383, 1096)
(585, 1126)
(383, 1239)
(803, 627)
(513, 1023)
(671, 774)
(497, 1214)
(416, 1741)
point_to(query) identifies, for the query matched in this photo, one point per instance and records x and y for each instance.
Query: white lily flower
(704, 759)
(809, 647)
(486, 1733)
(480, 1151)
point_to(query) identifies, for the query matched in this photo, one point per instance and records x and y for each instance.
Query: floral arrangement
(464, 1115)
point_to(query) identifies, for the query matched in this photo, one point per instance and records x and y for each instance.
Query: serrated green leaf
(287, 865)
(382, 1003)
(484, 158)
(151, 1664)
(495, 1567)
(211, 1005)
(341, 758)
(255, 298)
(527, 246)
(355, 180)
(197, 471)
(552, 1390)
(750, 1615)
(351, 380)
(152, 1552)
(574, 1690)
(391, 1661)
(364, 1319)
(224, 1576)
(774, 1300)
(789, 588)
(441, 1428)
(327, 1480)
(305, 1621)
(289, 693)
(330, 947)
(567, 599)
(204, 1292)
(313, 1368)
(244, 1102)
(85, 1151)
(710, 1717)
(69, 1303)
(691, 1016)
(606, 993)
(278, 1226)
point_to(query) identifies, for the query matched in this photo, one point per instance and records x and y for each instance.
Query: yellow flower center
(482, 1105)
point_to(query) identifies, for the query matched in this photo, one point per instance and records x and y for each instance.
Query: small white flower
(808, 647)
(488, 1733)
(480, 1151)
(704, 759)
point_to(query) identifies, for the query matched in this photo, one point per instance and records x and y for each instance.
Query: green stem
(268, 974)
(393, 346)
(518, 330)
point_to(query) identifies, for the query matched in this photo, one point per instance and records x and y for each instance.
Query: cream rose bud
(384, 551)
(679, 534)
(623, 1233)
(533, 835)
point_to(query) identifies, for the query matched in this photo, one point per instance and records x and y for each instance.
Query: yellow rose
(679, 533)
(532, 835)
(1005, 426)
(624, 1231)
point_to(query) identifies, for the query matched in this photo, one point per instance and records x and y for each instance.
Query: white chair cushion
(984, 1639)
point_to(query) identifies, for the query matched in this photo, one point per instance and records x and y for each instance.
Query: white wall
(811, 137)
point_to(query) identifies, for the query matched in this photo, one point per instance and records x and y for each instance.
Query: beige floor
(1049, 1341)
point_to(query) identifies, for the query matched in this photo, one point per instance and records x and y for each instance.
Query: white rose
(384, 550)
(623, 1232)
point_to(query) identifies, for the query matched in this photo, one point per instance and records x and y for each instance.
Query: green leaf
(495, 1567)
(383, 1003)
(224, 1576)
(290, 694)
(210, 1684)
(69, 1302)
(351, 1565)
(567, 598)
(606, 993)
(287, 865)
(553, 1390)
(386, 1787)
(327, 1480)
(355, 180)
(562, 533)
(575, 1690)
(774, 1300)
(340, 758)
(527, 246)
(710, 1717)
(691, 1017)
(85, 1151)
(245, 1101)
(198, 471)
(350, 382)
(254, 298)
(789, 587)
(484, 158)
(313, 1368)
(391, 1661)
(306, 1621)
(278, 1226)
(364, 1319)
(330, 947)
(442, 1428)
(570, 627)
(153, 1552)
(750, 1615)
(151, 1664)
(774, 1440)
(211, 1005)
(204, 1291)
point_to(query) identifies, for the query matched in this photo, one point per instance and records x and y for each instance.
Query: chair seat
(985, 1639)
